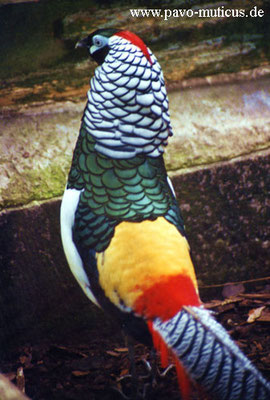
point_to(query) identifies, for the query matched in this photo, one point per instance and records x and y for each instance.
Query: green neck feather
(117, 190)
(132, 189)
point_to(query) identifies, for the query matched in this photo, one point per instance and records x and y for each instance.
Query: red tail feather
(183, 380)
(165, 353)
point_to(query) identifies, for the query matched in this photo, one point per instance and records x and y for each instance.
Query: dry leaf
(259, 346)
(254, 314)
(80, 373)
(265, 317)
(124, 372)
(112, 353)
(121, 349)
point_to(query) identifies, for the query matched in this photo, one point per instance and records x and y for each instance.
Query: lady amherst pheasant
(122, 231)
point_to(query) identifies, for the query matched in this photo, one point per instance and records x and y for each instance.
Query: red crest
(136, 41)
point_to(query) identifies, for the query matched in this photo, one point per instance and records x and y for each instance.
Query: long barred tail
(210, 357)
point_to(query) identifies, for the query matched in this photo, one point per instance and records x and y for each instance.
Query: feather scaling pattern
(122, 229)
(127, 109)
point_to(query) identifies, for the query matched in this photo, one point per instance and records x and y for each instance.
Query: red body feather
(166, 297)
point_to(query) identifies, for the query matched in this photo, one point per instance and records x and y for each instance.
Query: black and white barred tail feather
(210, 357)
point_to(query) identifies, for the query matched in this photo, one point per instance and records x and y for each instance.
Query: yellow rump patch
(141, 254)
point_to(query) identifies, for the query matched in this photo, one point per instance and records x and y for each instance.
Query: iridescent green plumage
(117, 190)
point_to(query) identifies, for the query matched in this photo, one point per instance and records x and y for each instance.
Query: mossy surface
(37, 184)
(37, 146)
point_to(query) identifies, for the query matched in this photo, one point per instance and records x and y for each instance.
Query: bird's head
(98, 43)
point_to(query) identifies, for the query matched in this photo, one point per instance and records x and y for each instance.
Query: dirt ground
(96, 368)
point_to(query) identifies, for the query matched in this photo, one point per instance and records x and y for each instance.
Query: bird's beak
(82, 43)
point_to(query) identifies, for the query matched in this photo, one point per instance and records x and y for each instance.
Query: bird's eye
(98, 41)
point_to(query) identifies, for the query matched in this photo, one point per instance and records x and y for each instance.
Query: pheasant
(122, 230)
